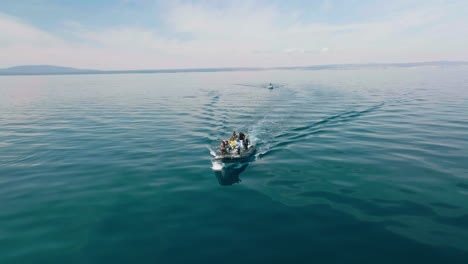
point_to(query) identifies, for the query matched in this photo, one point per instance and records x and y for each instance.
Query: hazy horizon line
(64, 70)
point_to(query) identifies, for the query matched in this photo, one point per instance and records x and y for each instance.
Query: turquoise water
(353, 166)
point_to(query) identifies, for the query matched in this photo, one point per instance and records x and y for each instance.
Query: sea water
(352, 166)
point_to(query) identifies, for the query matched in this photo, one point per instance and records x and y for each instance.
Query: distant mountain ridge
(42, 69)
(58, 70)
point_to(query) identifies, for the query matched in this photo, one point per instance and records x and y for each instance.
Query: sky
(146, 34)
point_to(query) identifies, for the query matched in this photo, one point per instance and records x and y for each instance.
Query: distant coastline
(57, 70)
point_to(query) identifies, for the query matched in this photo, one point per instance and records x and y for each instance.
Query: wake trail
(262, 86)
(248, 85)
(296, 134)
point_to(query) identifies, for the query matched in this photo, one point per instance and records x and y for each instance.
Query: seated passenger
(222, 147)
(234, 136)
(227, 145)
(238, 146)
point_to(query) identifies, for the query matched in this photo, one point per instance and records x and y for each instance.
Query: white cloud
(14, 31)
(241, 35)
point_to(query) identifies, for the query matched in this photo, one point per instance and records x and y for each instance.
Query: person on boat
(227, 145)
(232, 144)
(246, 142)
(238, 146)
(241, 136)
(234, 136)
(242, 140)
(222, 147)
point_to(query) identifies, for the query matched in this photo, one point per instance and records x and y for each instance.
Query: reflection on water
(228, 173)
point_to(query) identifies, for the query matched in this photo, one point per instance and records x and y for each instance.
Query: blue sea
(352, 166)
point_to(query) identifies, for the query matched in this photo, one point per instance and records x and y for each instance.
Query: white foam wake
(212, 152)
(217, 166)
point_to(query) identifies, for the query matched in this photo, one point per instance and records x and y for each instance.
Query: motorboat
(239, 154)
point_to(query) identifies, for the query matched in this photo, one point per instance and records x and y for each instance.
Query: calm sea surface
(353, 166)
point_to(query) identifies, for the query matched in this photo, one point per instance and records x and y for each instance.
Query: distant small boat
(270, 86)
